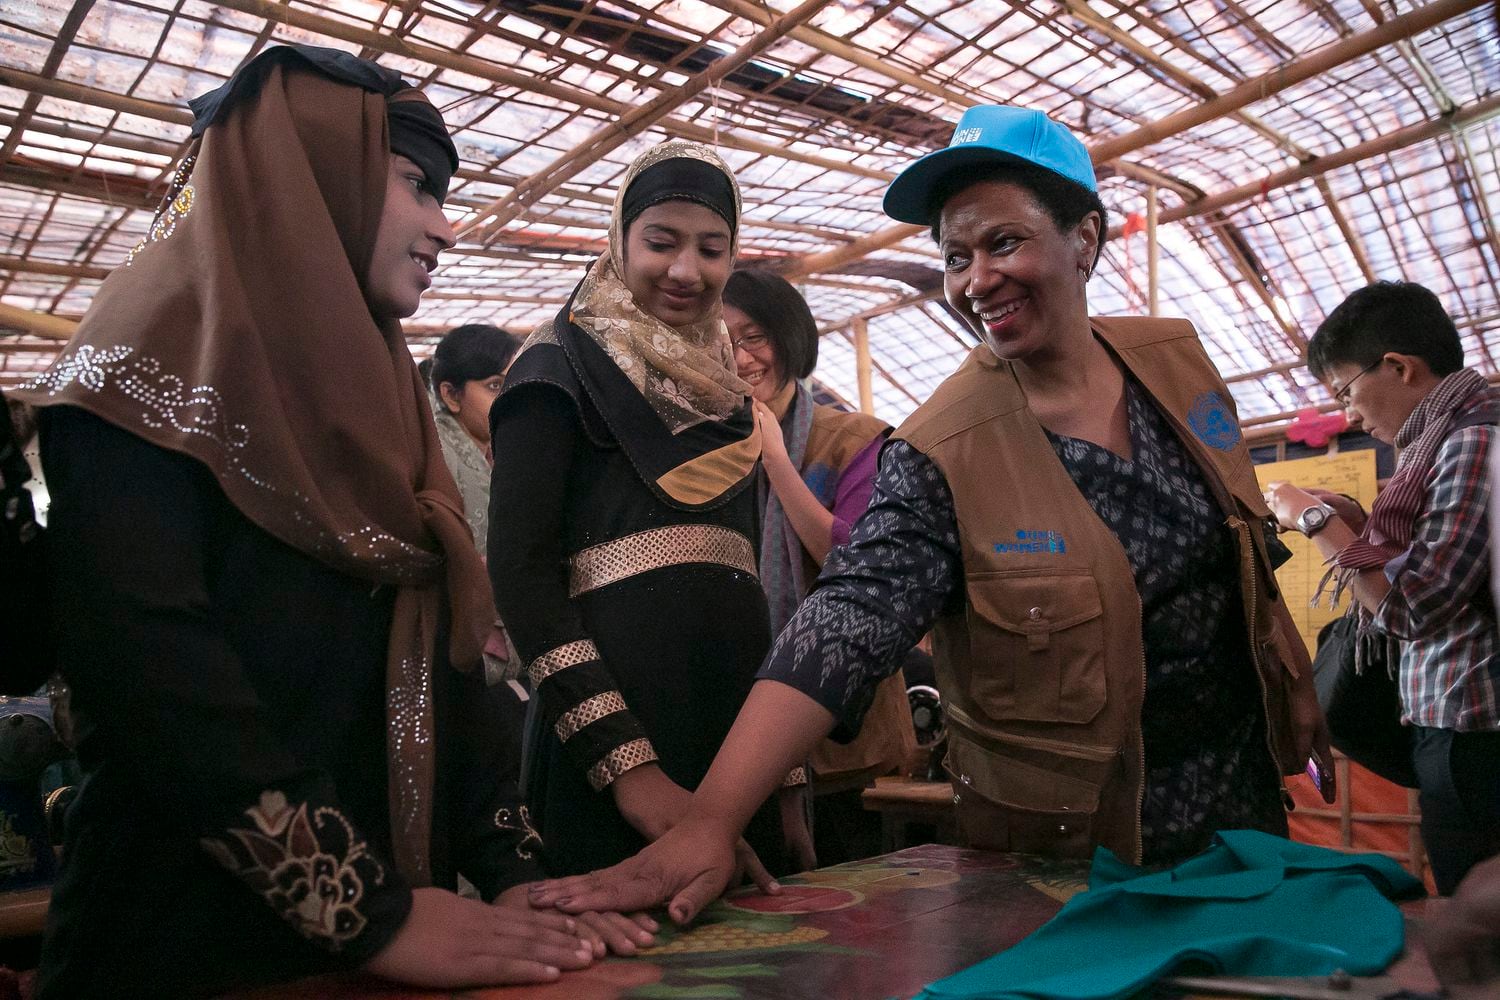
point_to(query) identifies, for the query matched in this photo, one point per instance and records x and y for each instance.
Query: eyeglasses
(1342, 396)
(750, 342)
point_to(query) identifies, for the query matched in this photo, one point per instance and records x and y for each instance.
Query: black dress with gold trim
(623, 561)
(233, 824)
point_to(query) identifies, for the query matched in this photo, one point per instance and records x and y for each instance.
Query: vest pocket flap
(1020, 785)
(1035, 604)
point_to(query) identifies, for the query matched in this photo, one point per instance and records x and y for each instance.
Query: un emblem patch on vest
(1213, 422)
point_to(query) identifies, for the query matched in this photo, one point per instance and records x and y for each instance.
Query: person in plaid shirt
(1419, 565)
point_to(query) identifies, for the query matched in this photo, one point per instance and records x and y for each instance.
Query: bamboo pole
(65, 35)
(1153, 255)
(616, 133)
(59, 269)
(832, 260)
(61, 89)
(1252, 90)
(1351, 238)
(861, 330)
(1389, 143)
(1287, 75)
(528, 82)
(51, 327)
(827, 44)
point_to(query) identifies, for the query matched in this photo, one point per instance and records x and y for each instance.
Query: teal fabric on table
(1251, 905)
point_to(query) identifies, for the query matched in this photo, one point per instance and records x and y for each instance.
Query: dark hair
(1399, 316)
(472, 351)
(782, 314)
(1066, 201)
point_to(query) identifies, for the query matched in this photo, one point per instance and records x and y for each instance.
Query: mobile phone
(1315, 774)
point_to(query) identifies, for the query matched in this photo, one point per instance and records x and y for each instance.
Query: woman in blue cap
(1074, 514)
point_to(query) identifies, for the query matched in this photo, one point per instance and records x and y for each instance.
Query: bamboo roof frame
(1279, 141)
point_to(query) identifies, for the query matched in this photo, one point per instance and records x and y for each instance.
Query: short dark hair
(472, 351)
(1399, 316)
(781, 312)
(1065, 201)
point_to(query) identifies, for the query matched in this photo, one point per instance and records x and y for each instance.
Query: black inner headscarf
(417, 131)
(680, 178)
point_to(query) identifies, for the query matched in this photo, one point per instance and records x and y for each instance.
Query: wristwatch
(1312, 520)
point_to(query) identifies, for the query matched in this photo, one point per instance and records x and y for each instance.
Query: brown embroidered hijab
(239, 333)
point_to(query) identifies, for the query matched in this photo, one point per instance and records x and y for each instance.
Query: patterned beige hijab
(686, 373)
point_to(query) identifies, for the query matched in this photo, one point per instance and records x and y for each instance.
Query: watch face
(1313, 518)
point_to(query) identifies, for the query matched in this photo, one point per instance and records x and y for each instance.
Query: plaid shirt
(1439, 602)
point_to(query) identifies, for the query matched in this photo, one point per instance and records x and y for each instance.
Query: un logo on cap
(1213, 422)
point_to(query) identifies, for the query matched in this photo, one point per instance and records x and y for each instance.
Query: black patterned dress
(1208, 763)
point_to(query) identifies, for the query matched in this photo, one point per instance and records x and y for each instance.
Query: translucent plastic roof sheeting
(92, 122)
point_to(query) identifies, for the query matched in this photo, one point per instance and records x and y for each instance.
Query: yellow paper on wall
(1351, 472)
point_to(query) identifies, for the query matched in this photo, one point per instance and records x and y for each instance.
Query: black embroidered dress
(233, 826)
(639, 612)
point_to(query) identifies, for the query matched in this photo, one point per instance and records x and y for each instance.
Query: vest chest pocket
(1036, 647)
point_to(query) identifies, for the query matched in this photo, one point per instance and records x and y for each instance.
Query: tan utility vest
(1043, 670)
(886, 740)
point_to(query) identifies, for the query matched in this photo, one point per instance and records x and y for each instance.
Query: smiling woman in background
(1074, 513)
(625, 451)
(820, 463)
(468, 369)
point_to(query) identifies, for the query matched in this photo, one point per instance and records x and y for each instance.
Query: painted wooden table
(871, 929)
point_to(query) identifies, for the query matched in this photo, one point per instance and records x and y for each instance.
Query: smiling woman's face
(677, 259)
(1010, 272)
(413, 231)
(754, 355)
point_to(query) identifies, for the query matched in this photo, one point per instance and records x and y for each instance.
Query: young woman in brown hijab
(271, 608)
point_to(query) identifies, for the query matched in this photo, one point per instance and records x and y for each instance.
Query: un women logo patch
(1213, 421)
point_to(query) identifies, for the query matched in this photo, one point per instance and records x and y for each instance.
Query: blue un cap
(990, 133)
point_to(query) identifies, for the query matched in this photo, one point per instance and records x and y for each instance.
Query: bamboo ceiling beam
(41, 324)
(1388, 143)
(1233, 100)
(158, 111)
(828, 45)
(1287, 75)
(1260, 283)
(1090, 18)
(616, 133)
(885, 307)
(1351, 238)
(580, 193)
(529, 82)
(27, 265)
(65, 35)
(61, 89)
(121, 192)
(832, 260)
(89, 134)
(1487, 218)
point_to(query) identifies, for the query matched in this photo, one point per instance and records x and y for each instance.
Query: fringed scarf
(1463, 399)
(782, 557)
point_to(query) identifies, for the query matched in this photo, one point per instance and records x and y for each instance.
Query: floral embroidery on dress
(519, 821)
(182, 195)
(312, 871)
